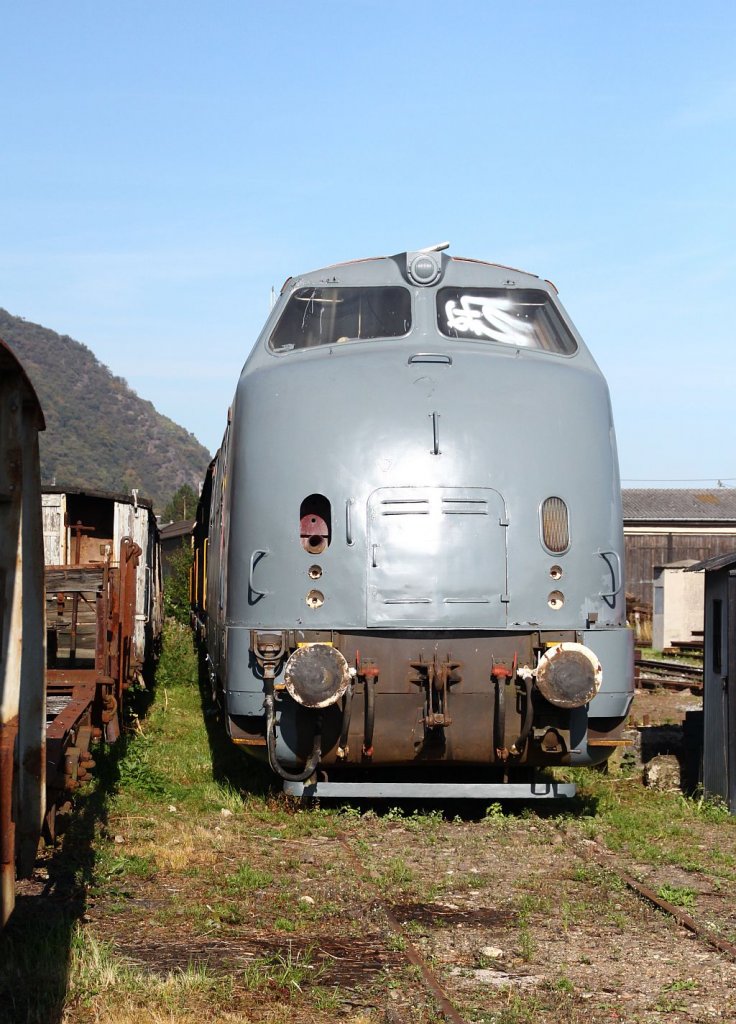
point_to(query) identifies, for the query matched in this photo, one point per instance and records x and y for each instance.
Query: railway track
(706, 933)
(674, 675)
(592, 850)
(430, 979)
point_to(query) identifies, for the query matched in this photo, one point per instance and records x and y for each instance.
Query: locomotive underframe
(423, 698)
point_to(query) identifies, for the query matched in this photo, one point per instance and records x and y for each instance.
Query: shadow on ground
(231, 766)
(683, 742)
(37, 945)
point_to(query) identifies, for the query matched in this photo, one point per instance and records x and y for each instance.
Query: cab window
(329, 316)
(523, 317)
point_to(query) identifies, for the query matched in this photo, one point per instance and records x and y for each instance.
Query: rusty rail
(701, 930)
(605, 859)
(446, 1007)
(671, 675)
(672, 668)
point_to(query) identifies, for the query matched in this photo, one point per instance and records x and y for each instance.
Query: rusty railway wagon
(408, 551)
(104, 611)
(22, 703)
(80, 619)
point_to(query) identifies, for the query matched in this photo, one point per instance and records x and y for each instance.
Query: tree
(181, 505)
(176, 587)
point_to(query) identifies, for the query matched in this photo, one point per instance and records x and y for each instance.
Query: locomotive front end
(414, 542)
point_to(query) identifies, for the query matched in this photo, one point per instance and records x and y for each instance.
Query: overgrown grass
(248, 879)
(658, 828)
(25, 994)
(169, 756)
(396, 876)
(290, 971)
(677, 895)
(98, 978)
(192, 842)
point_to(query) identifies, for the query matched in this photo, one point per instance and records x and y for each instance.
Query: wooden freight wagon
(104, 613)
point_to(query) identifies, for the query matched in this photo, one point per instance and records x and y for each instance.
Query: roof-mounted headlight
(425, 267)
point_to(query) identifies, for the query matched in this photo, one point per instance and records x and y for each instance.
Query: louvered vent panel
(464, 507)
(405, 507)
(555, 525)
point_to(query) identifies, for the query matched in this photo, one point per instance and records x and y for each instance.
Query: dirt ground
(663, 707)
(256, 910)
(515, 915)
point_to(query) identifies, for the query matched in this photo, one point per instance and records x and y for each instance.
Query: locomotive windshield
(326, 316)
(523, 317)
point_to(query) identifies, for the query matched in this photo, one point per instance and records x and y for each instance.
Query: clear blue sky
(163, 164)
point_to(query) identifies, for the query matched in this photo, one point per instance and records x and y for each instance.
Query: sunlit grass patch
(290, 971)
(101, 979)
(247, 879)
(175, 847)
(677, 895)
(118, 864)
(141, 774)
(94, 969)
(182, 855)
(396, 875)
(220, 796)
(655, 827)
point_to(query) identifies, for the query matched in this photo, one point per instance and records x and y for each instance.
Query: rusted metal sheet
(22, 694)
(446, 689)
(8, 735)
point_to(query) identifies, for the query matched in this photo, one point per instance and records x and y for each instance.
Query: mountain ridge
(100, 434)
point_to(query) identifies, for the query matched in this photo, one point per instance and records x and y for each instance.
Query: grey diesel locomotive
(409, 547)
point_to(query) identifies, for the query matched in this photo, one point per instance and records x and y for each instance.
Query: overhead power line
(720, 481)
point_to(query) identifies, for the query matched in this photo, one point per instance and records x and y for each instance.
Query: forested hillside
(99, 433)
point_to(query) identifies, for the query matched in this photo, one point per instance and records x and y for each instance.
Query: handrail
(614, 593)
(251, 569)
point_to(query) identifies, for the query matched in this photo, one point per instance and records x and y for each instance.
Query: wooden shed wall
(645, 550)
